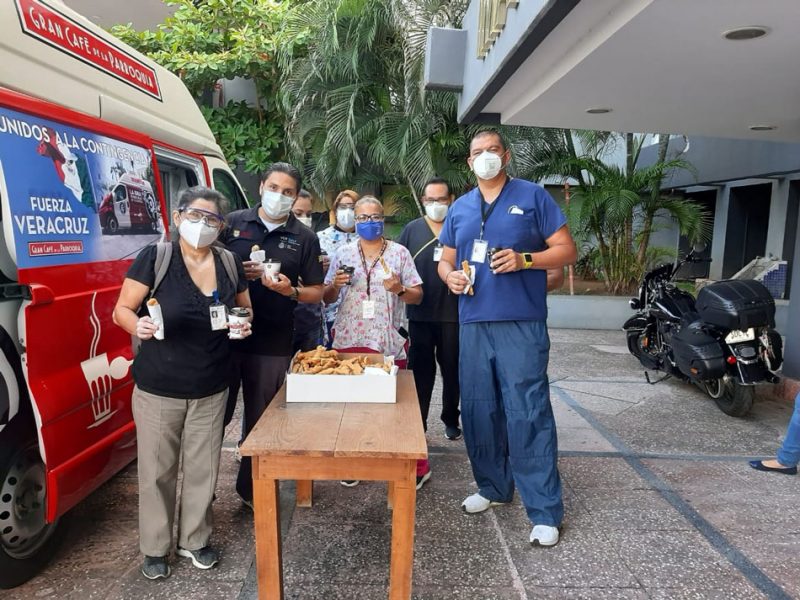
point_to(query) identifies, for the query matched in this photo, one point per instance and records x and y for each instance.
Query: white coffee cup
(258, 256)
(237, 317)
(272, 268)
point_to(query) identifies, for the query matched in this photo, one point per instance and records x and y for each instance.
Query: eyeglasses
(195, 215)
(428, 201)
(341, 205)
(373, 218)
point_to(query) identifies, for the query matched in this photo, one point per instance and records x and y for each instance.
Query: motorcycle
(724, 341)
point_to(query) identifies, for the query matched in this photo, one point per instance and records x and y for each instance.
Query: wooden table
(336, 441)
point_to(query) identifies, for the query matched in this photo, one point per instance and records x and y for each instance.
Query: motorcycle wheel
(732, 398)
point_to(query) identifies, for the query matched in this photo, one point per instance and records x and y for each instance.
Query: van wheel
(732, 398)
(112, 225)
(27, 541)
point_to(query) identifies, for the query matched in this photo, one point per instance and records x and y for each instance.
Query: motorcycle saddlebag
(698, 354)
(736, 304)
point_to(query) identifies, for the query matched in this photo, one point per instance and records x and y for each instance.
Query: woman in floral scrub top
(373, 305)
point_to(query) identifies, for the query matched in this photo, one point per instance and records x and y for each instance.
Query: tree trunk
(417, 202)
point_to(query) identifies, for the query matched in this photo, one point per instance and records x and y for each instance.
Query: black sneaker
(421, 479)
(452, 433)
(155, 567)
(350, 482)
(204, 558)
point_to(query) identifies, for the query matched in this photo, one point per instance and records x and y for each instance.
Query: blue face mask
(369, 230)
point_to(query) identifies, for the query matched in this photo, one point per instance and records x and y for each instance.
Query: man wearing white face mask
(433, 324)
(263, 358)
(510, 232)
(341, 232)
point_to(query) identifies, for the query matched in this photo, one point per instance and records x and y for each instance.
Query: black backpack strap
(229, 262)
(163, 257)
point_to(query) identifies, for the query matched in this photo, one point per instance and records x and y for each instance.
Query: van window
(226, 186)
(178, 172)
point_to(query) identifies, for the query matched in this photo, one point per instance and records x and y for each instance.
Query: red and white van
(96, 143)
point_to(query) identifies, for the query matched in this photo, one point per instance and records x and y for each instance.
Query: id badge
(479, 249)
(368, 309)
(219, 317)
(437, 253)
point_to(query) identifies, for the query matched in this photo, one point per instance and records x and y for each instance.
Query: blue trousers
(509, 429)
(789, 453)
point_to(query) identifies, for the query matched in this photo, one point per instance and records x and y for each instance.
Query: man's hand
(283, 286)
(253, 270)
(340, 280)
(507, 261)
(457, 281)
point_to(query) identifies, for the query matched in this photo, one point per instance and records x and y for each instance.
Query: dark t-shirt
(297, 249)
(192, 361)
(437, 303)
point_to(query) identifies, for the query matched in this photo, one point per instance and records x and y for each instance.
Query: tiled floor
(660, 503)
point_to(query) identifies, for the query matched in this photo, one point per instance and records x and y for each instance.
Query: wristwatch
(401, 292)
(527, 260)
(295, 293)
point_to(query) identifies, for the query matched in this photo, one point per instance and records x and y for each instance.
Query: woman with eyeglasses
(181, 380)
(342, 231)
(375, 279)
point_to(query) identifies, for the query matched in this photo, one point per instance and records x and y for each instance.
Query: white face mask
(305, 221)
(275, 204)
(346, 218)
(197, 235)
(487, 165)
(436, 212)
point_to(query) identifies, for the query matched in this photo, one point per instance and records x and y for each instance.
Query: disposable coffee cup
(272, 268)
(237, 317)
(258, 256)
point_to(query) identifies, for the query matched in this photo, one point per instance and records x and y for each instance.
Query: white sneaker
(477, 503)
(544, 535)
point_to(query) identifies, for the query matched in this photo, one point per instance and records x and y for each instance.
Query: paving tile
(775, 553)
(583, 558)
(590, 472)
(327, 553)
(454, 548)
(631, 509)
(590, 593)
(366, 502)
(677, 559)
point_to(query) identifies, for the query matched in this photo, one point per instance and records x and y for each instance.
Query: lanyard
(375, 262)
(486, 214)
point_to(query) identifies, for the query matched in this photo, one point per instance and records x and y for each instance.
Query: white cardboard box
(366, 388)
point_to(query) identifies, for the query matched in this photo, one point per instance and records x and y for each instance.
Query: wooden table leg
(305, 492)
(390, 495)
(269, 563)
(405, 498)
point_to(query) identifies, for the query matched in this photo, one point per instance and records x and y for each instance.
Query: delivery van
(131, 204)
(96, 143)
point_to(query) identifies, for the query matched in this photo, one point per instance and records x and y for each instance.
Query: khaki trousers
(161, 425)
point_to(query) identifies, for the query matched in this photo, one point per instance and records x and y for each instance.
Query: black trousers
(260, 377)
(433, 342)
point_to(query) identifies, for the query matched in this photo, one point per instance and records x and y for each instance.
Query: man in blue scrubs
(508, 422)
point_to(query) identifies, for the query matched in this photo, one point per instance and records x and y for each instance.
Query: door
(122, 209)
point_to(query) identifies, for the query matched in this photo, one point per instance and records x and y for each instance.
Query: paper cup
(236, 320)
(272, 268)
(258, 256)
